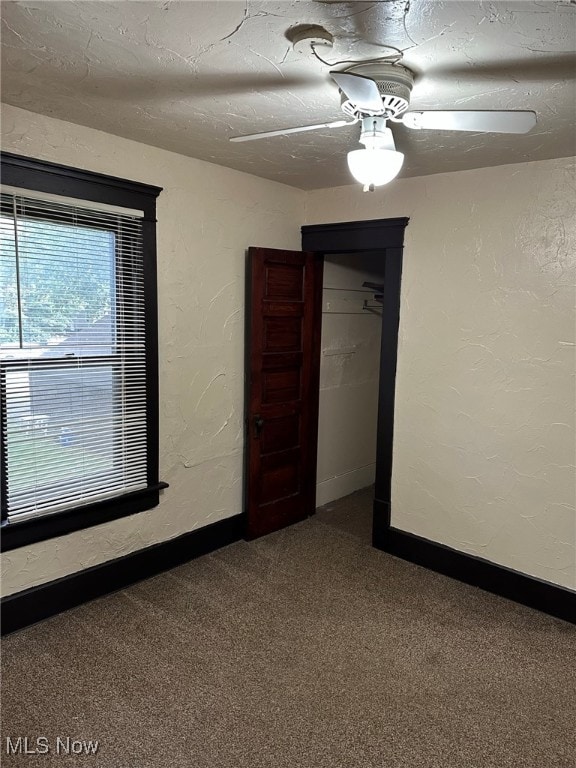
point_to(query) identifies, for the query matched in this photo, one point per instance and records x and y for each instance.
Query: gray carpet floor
(303, 649)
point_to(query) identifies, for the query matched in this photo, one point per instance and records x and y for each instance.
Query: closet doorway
(352, 293)
(374, 242)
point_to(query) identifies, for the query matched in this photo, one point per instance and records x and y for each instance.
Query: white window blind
(72, 355)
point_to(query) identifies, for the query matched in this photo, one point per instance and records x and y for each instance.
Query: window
(78, 371)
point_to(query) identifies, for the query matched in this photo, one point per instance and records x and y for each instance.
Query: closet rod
(348, 290)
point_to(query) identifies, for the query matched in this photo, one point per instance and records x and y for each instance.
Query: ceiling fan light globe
(375, 166)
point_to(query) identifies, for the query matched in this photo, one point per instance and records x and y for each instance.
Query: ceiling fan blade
(362, 91)
(471, 120)
(560, 65)
(170, 86)
(300, 129)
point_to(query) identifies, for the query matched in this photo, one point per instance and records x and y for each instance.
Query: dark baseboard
(528, 590)
(37, 603)
(380, 521)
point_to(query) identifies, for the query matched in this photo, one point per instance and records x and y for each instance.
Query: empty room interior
(287, 357)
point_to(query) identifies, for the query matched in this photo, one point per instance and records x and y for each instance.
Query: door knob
(258, 423)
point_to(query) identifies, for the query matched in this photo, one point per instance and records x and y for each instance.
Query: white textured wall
(349, 378)
(207, 217)
(484, 428)
(484, 443)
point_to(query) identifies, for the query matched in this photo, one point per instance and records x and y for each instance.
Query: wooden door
(284, 312)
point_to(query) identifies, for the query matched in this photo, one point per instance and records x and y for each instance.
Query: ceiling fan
(373, 94)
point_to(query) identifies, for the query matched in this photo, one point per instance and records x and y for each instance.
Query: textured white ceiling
(186, 76)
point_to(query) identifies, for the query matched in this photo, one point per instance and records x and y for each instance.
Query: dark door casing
(385, 236)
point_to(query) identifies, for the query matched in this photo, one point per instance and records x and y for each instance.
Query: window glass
(73, 378)
(57, 295)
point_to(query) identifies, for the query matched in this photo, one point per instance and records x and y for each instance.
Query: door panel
(284, 281)
(282, 334)
(280, 476)
(281, 386)
(280, 433)
(283, 362)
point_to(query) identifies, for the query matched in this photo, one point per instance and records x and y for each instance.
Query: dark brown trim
(314, 388)
(387, 386)
(151, 352)
(350, 236)
(19, 534)
(3, 460)
(56, 179)
(498, 579)
(38, 603)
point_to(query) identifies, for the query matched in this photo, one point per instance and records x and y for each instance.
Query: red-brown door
(283, 361)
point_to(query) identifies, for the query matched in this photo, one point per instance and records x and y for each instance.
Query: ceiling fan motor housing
(394, 85)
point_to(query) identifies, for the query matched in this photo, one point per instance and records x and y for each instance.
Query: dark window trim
(48, 526)
(55, 179)
(40, 176)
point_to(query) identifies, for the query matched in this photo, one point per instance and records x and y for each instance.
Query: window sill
(15, 534)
